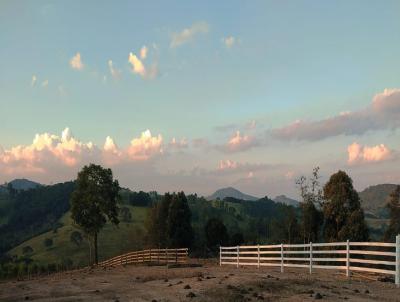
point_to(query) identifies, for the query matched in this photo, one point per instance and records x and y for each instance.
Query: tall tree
(216, 233)
(94, 200)
(343, 215)
(394, 208)
(156, 222)
(311, 194)
(179, 228)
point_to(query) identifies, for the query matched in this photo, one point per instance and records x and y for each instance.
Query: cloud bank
(382, 113)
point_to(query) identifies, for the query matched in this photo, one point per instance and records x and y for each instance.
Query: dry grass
(207, 283)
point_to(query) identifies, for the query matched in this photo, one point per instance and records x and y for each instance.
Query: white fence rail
(373, 257)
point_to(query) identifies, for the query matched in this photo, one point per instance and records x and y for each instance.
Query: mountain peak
(230, 192)
(23, 184)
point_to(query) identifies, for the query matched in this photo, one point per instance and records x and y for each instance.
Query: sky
(199, 95)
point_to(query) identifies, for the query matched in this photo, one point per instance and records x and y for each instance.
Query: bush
(27, 249)
(48, 242)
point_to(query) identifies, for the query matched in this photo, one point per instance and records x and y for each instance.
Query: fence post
(220, 256)
(397, 277)
(347, 258)
(311, 258)
(166, 255)
(176, 255)
(281, 257)
(258, 256)
(237, 254)
(150, 255)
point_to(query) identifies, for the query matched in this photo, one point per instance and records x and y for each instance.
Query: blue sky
(210, 70)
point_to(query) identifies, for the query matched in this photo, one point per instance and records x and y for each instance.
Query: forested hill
(375, 198)
(31, 212)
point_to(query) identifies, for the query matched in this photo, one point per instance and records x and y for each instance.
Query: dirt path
(207, 283)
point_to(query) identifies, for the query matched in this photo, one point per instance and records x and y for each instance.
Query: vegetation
(343, 215)
(94, 200)
(394, 210)
(312, 199)
(216, 234)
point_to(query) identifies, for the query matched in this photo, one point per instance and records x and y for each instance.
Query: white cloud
(76, 62)
(139, 68)
(45, 83)
(364, 154)
(229, 41)
(143, 52)
(188, 34)
(145, 146)
(33, 81)
(115, 73)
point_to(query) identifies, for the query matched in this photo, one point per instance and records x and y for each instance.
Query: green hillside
(113, 240)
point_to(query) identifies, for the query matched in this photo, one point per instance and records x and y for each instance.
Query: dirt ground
(207, 283)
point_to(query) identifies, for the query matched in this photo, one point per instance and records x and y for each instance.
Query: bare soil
(207, 283)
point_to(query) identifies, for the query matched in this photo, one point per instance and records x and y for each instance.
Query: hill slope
(375, 198)
(286, 200)
(21, 184)
(230, 192)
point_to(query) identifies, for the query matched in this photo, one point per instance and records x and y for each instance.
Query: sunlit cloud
(33, 81)
(76, 62)
(188, 34)
(229, 41)
(382, 113)
(227, 164)
(145, 146)
(45, 83)
(115, 73)
(238, 143)
(143, 52)
(364, 154)
(139, 68)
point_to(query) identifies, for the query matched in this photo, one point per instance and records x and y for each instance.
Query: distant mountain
(230, 192)
(22, 184)
(375, 198)
(286, 200)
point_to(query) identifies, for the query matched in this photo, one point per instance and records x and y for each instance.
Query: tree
(179, 228)
(156, 222)
(237, 239)
(216, 233)
(94, 200)
(125, 214)
(311, 194)
(394, 208)
(48, 242)
(343, 215)
(76, 238)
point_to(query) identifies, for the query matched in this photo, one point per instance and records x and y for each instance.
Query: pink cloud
(382, 113)
(145, 146)
(364, 154)
(227, 164)
(238, 143)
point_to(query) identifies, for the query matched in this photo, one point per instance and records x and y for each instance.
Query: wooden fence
(373, 257)
(150, 255)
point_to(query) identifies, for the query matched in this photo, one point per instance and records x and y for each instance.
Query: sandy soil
(207, 283)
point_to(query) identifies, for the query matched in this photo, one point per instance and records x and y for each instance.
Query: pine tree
(179, 228)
